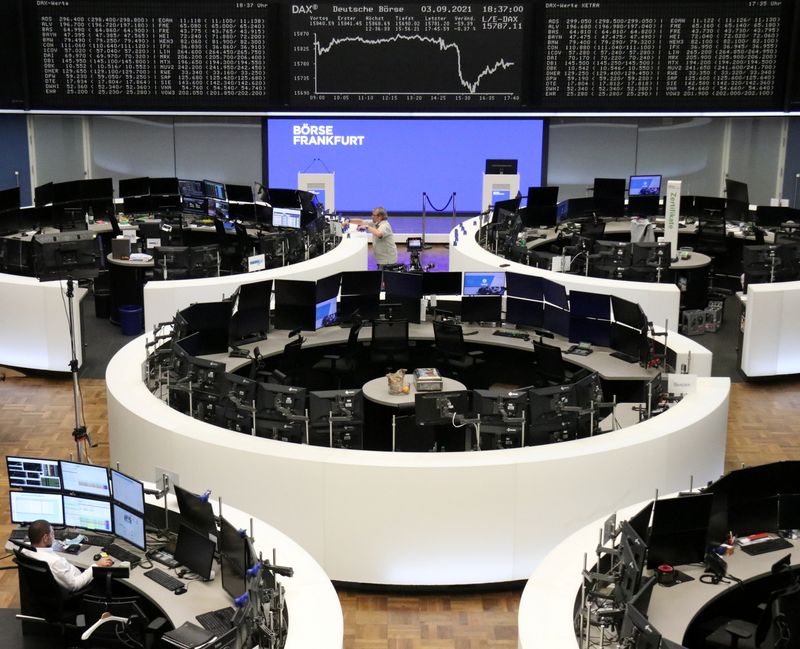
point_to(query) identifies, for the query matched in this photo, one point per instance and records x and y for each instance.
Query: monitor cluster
(688, 529)
(77, 495)
(770, 263)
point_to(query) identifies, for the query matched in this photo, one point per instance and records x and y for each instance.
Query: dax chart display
(460, 56)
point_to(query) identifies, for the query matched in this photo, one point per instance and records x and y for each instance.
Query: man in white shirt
(67, 576)
(383, 246)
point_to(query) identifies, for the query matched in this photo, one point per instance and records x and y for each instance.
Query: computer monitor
(554, 293)
(441, 283)
(325, 315)
(295, 304)
(339, 404)
(9, 199)
(589, 305)
(501, 166)
(488, 283)
(789, 511)
(526, 313)
(628, 341)
(736, 191)
(481, 308)
(500, 405)
(85, 479)
(609, 196)
(651, 253)
(364, 282)
(127, 491)
(130, 187)
(365, 307)
(327, 287)
(768, 216)
(637, 631)
(195, 551)
(33, 473)
(55, 256)
(402, 285)
(754, 515)
(212, 189)
(88, 513)
(283, 197)
(640, 521)
(27, 506)
(286, 217)
(542, 196)
(164, 187)
(628, 313)
(279, 402)
(524, 285)
(679, 531)
(239, 193)
(437, 408)
(250, 313)
(589, 330)
(556, 320)
(644, 186)
(129, 526)
(196, 512)
(232, 558)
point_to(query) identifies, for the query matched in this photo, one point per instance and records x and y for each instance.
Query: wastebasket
(131, 319)
(102, 303)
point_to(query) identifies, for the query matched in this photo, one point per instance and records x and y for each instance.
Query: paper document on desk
(140, 256)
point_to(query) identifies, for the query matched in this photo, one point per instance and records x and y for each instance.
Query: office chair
(291, 361)
(777, 628)
(230, 261)
(451, 350)
(343, 365)
(119, 622)
(389, 346)
(43, 605)
(549, 363)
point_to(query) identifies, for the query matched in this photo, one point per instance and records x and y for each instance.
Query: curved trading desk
(418, 518)
(163, 299)
(770, 344)
(661, 302)
(547, 606)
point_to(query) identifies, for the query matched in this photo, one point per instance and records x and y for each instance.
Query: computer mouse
(97, 557)
(180, 591)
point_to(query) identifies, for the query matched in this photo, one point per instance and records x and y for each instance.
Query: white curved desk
(661, 302)
(770, 344)
(418, 518)
(33, 324)
(163, 299)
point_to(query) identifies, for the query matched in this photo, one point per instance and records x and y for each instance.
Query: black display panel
(13, 91)
(148, 54)
(624, 54)
(391, 55)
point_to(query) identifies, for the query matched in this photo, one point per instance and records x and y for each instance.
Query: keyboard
(763, 547)
(624, 357)
(164, 558)
(19, 534)
(163, 579)
(121, 554)
(98, 540)
(216, 622)
(504, 333)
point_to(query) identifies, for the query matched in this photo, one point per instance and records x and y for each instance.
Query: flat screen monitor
(325, 314)
(286, 217)
(239, 193)
(556, 320)
(402, 285)
(772, 217)
(628, 313)
(637, 631)
(85, 479)
(609, 188)
(250, 312)
(33, 473)
(505, 405)
(643, 205)
(736, 191)
(9, 199)
(211, 320)
(364, 282)
(196, 512)
(441, 283)
(364, 307)
(131, 187)
(88, 513)
(67, 192)
(542, 196)
(488, 283)
(481, 308)
(640, 521)
(195, 551)
(651, 253)
(555, 294)
(327, 287)
(628, 341)
(644, 186)
(279, 197)
(527, 313)
(212, 189)
(67, 253)
(679, 531)
(232, 558)
(348, 404)
(522, 285)
(43, 194)
(27, 507)
(589, 330)
(97, 188)
(129, 526)
(278, 402)
(754, 515)
(127, 491)
(164, 187)
(501, 166)
(789, 511)
(438, 408)
(589, 305)
(295, 293)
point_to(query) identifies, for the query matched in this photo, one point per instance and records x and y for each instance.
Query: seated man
(68, 577)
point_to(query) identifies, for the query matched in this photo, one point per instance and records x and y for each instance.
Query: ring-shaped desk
(418, 518)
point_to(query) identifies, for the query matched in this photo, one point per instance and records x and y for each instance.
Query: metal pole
(424, 217)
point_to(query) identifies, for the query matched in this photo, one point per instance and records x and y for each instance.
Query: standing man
(383, 246)
(68, 577)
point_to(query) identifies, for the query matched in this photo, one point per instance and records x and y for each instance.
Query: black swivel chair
(450, 347)
(128, 626)
(389, 346)
(342, 366)
(291, 362)
(230, 262)
(549, 363)
(44, 608)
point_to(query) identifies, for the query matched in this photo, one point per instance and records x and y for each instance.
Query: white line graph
(444, 46)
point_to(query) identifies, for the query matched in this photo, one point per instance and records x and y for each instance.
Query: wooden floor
(36, 419)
